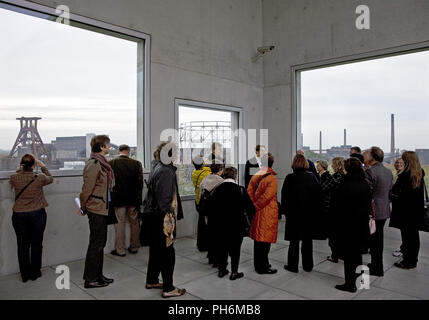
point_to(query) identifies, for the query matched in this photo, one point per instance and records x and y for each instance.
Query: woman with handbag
(228, 223)
(29, 215)
(163, 208)
(351, 205)
(408, 208)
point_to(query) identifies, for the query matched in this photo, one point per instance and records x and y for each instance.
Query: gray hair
(324, 164)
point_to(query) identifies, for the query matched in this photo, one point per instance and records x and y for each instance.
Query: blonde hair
(412, 164)
(338, 164)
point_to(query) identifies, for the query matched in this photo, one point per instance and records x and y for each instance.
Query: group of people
(349, 207)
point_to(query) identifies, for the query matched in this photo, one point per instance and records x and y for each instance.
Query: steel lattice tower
(29, 136)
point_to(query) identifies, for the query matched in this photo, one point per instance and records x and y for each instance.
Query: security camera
(261, 52)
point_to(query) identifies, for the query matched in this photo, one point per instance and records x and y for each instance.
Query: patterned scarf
(106, 166)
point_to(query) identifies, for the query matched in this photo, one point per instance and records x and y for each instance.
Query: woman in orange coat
(263, 192)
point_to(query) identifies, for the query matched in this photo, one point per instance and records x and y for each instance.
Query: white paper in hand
(77, 201)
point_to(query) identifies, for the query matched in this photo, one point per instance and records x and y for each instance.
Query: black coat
(226, 217)
(407, 203)
(158, 201)
(301, 204)
(351, 208)
(128, 188)
(313, 169)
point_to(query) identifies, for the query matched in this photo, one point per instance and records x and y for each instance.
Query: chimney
(345, 137)
(392, 135)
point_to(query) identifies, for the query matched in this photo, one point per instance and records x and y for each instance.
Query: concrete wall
(201, 50)
(307, 31)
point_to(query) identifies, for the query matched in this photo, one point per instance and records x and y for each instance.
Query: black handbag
(425, 225)
(247, 218)
(111, 217)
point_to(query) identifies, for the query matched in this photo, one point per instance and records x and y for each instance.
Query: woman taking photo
(29, 215)
(408, 208)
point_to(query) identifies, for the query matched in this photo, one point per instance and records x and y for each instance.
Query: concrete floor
(193, 273)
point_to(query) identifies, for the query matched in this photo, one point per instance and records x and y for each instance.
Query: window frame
(365, 56)
(143, 41)
(178, 102)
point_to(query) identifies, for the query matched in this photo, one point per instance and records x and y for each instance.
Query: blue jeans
(29, 228)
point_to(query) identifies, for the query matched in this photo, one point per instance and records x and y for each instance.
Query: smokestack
(392, 135)
(320, 142)
(345, 137)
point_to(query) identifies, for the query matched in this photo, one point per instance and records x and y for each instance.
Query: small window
(199, 126)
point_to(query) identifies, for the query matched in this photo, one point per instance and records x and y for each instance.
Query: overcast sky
(78, 81)
(361, 97)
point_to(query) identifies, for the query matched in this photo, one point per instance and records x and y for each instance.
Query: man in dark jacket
(165, 208)
(253, 165)
(126, 199)
(382, 185)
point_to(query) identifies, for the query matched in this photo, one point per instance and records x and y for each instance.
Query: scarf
(106, 166)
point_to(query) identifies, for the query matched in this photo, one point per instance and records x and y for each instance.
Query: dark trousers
(260, 255)
(306, 252)
(161, 260)
(402, 244)
(97, 242)
(377, 246)
(233, 249)
(411, 246)
(202, 234)
(333, 244)
(29, 228)
(352, 259)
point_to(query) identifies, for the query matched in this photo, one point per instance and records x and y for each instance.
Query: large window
(381, 102)
(200, 125)
(61, 84)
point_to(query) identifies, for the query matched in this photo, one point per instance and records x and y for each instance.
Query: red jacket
(264, 226)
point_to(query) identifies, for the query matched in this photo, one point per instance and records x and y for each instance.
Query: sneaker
(397, 253)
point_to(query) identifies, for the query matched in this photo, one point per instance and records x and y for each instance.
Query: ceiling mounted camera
(261, 52)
